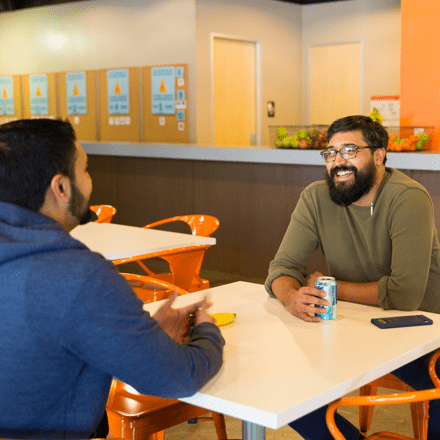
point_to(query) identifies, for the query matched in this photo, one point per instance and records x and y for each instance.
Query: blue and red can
(328, 285)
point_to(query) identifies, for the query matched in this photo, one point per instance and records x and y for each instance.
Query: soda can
(328, 285)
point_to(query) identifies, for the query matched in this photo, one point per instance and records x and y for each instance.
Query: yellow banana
(223, 318)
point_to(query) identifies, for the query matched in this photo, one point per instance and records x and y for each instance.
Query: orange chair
(203, 225)
(105, 213)
(185, 263)
(419, 410)
(132, 415)
(386, 399)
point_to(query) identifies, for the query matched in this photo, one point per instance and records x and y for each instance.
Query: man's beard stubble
(344, 194)
(79, 206)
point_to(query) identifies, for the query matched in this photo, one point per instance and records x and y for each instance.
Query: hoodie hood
(24, 232)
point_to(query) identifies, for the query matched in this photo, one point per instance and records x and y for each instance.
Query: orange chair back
(105, 213)
(385, 399)
(202, 225)
(150, 289)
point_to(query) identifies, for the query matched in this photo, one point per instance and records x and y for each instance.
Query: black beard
(78, 206)
(344, 194)
(87, 217)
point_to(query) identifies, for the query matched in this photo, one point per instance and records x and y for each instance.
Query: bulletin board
(119, 104)
(165, 103)
(40, 96)
(10, 98)
(77, 102)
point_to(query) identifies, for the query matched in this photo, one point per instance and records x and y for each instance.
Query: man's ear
(60, 187)
(379, 156)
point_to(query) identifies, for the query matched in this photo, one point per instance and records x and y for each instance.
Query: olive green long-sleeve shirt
(395, 243)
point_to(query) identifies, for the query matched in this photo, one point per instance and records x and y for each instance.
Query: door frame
(213, 36)
(361, 73)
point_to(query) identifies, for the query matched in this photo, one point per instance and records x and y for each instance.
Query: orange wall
(420, 66)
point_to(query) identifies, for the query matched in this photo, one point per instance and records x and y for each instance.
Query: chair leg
(219, 425)
(366, 412)
(419, 414)
(157, 436)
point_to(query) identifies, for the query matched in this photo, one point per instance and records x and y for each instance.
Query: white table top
(115, 241)
(278, 367)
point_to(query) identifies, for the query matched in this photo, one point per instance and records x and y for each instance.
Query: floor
(395, 418)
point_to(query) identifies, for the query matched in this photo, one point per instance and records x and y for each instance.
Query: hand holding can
(329, 286)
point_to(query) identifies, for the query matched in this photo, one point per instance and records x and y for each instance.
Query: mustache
(343, 168)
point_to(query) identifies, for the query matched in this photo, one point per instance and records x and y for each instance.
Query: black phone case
(401, 321)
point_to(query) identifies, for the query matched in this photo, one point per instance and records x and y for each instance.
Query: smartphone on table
(401, 321)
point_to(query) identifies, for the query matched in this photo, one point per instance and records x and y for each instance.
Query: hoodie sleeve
(107, 327)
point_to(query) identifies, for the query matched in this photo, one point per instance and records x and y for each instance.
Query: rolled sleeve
(298, 245)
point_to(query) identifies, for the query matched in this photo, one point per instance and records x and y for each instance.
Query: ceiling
(12, 5)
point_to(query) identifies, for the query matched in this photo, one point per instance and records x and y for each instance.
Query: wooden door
(335, 82)
(235, 87)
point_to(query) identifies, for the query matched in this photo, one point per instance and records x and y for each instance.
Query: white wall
(277, 26)
(101, 34)
(114, 33)
(374, 22)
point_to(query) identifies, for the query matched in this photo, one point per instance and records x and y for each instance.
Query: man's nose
(339, 160)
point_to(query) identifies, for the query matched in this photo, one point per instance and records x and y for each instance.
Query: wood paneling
(253, 202)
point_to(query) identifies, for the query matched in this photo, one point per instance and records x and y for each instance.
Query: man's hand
(177, 322)
(300, 301)
(312, 279)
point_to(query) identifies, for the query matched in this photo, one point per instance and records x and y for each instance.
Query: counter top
(426, 160)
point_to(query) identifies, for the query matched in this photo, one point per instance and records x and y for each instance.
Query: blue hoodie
(68, 324)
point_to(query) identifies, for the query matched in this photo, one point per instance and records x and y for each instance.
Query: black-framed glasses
(348, 152)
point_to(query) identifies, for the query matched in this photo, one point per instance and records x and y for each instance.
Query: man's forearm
(283, 286)
(361, 293)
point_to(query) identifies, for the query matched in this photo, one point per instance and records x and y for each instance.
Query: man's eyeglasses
(348, 152)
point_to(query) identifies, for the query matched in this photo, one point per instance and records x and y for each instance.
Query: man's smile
(344, 173)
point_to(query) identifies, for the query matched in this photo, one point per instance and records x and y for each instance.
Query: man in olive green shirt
(376, 229)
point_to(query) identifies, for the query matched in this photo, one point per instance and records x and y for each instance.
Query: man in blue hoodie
(68, 321)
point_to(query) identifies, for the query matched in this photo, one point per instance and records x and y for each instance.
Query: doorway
(335, 82)
(235, 77)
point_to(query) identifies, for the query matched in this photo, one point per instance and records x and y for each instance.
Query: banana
(223, 318)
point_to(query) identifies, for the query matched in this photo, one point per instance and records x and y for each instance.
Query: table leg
(252, 431)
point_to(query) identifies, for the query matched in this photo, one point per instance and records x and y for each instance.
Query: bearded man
(377, 231)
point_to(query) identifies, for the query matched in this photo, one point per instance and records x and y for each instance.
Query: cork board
(11, 107)
(78, 103)
(119, 104)
(165, 103)
(39, 96)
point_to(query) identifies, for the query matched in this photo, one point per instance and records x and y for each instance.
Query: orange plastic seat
(132, 415)
(105, 213)
(185, 263)
(386, 399)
